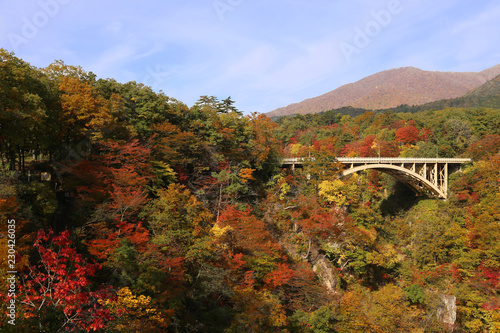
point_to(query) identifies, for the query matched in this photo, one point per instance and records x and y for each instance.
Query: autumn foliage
(59, 285)
(135, 212)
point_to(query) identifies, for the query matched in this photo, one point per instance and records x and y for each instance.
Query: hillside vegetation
(136, 213)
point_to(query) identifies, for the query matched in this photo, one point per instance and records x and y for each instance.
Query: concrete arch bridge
(426, 176)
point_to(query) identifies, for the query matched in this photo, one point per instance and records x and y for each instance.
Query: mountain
(394, 87)
(486, 95)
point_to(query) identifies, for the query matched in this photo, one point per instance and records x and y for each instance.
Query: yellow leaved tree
(338, 192)
(135, 313)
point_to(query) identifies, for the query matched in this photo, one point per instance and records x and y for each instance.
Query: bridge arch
(427, 176)
(417, 182)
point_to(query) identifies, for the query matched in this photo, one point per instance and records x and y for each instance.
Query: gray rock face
(447, 310)
(325, 270)
(320, 265)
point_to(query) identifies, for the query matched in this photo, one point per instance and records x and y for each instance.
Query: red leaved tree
(55, 293)
(116, 179)
(489, 145)
(408, 135)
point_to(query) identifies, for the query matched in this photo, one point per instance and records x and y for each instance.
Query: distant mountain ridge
(394, 87)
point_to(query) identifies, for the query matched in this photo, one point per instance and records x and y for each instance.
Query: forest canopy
(134, 212)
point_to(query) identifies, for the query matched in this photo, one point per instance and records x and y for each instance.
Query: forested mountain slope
(135, 212)
(486, 95)
(490, 88)
(394, 87)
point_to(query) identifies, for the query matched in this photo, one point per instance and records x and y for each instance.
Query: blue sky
(264, 54)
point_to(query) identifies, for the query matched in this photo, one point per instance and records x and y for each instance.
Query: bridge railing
(402, 160)
(384, 160)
